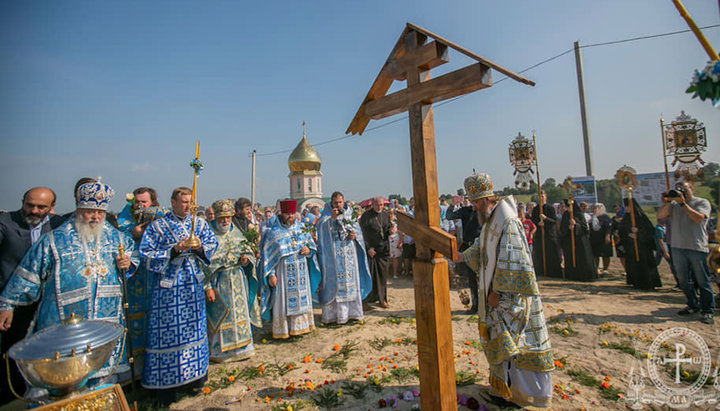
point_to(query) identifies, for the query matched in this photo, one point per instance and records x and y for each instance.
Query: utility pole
(252, 182)
(583, 110)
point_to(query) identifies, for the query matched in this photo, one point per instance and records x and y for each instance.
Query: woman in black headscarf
(641, 274)
(546, 231)
(585, 268)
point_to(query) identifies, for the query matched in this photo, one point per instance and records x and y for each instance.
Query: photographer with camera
(688, 222)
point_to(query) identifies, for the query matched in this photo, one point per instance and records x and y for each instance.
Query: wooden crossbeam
(457, 83)
(425, 58)
(472, 55)
(433, 237)
(411, 60)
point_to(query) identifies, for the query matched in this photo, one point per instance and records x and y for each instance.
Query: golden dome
(304, 157)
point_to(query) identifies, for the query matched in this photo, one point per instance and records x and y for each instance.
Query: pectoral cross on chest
(293, 243)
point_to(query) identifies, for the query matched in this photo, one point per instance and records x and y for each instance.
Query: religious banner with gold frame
(522, 157)
(685, 140)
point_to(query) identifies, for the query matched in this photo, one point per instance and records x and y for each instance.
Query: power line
(555, 57)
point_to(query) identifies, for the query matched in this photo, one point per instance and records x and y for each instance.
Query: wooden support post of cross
(411, 60)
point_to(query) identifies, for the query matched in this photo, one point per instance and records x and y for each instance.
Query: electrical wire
(548, 60)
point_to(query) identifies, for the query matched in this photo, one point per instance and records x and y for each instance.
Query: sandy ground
(594, 329)
(591, 324)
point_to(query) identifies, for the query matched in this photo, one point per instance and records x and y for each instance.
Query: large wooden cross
(412, 59)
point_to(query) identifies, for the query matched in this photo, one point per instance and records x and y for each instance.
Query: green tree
(714, 188)
(555, 194)
(608, 192)
(400, 199)
(461, 192)
(710, 171)
(549, 183)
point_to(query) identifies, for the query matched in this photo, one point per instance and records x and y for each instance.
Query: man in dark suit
(18, 231)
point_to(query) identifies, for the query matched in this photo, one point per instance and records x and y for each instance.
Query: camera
(674, 193)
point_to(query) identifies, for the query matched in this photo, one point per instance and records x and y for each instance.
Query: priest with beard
(511, 322)
(290, 270)
(230, 290)
(19, 230)
(75, 270)
(345, 273)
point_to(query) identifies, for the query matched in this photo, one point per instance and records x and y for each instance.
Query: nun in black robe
(552, 251)
(585, 268)
(642, 274)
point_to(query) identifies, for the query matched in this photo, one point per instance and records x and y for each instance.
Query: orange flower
(399, 340)
(396, 353)
(290, 366)
(369, 366)
(206, 390)
(365, 376)
(605, 385)
(261, 369)
(607, 378)
(231, 378)
(558, 363)
(307, 371)
(307, 359)
(395, 366)
(564, 397)
(267, 400)
(319, 360)
(336, 347)
(467, 343)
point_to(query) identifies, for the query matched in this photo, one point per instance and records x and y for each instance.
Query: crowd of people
(199, 279)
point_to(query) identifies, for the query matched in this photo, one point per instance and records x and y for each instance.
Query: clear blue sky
(123, 90)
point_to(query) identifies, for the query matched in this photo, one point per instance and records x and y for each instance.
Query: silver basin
(62, 358)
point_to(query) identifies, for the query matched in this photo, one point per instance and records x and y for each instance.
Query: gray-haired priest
(510, 315)
(74, 270)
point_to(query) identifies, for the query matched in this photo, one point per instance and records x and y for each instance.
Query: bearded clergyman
(231, 290)
(510, 314)
(345, 274)
(291, 271)
(76, 269)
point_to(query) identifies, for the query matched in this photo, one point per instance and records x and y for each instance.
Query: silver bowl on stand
(62, 358)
